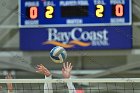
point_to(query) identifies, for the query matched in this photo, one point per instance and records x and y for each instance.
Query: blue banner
(76, 38)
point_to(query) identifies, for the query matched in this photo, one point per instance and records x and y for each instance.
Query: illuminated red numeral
(33, 12)
(119, 10)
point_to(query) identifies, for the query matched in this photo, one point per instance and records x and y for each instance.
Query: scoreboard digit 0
(75, 12)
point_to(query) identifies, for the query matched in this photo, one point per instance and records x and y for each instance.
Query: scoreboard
(57, 13)
(75, 24)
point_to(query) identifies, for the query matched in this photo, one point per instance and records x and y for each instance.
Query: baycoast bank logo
(77, 37)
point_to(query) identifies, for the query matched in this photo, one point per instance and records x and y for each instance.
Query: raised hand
(66, 70)
(0, 88)
(9, 85)
(43, 70)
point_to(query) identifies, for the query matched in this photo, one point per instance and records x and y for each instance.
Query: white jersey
(48, 86)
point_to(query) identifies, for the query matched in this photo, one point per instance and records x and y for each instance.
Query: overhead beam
(73, 53)
(137, 2)
(86, 53)
(16, 65)
(114, 70)
(136, 10)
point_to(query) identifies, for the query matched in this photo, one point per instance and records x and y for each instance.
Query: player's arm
(66, 72)
(0, 87)
(47, 86)
(9, 85)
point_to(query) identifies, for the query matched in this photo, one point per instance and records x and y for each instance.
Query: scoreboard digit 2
(75, 12)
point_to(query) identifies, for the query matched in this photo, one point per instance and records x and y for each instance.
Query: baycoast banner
(76, 38)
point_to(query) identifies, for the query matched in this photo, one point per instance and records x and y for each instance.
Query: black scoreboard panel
(74, 11)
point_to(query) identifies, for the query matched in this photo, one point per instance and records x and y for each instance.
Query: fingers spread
(38, 65)
(42, 66)
(64, 66)
(63, 70)
(69, 65)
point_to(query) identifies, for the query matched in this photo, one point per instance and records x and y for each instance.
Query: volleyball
(58, 54)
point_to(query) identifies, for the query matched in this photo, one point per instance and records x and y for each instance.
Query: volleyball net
(102, 85)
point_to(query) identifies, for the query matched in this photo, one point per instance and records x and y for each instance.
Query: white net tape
(102, 85)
